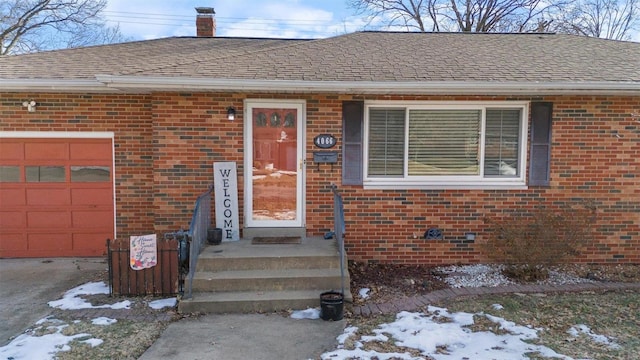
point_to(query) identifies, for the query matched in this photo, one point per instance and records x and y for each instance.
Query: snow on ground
(364, 293)
(443, 335)
(163, 303)
(436, 333)
(348, 332)
(306, 314)
(93, 342)
(103, 321)
(576, 330)
(72, 300)
(32, 344)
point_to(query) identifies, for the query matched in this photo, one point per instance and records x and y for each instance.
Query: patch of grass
(482, 323)
(367, 325)
(615, 315)
(123, 340)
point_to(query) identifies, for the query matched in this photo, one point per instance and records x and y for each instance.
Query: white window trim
(450, 182)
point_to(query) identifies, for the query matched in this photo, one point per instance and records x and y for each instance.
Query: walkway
(414, 303)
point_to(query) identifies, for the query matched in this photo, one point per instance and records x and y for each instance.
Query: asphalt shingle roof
(361, 56)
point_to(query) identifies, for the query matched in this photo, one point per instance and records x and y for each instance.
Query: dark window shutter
(352, 135)
(540, 156)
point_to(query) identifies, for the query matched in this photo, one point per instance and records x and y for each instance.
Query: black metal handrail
(339, 228)
(198, 230)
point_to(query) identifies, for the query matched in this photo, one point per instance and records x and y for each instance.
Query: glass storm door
(274, 166)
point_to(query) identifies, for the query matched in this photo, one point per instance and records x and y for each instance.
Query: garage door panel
(48, 219)
(59, 242)
(101, 196)
(46, 151)
(11, 150)
(92, 219)
(90, 241)
(49, 197)
(12, 241)
(12, 197)
(62, 201)
(15, 219)
(90, 151)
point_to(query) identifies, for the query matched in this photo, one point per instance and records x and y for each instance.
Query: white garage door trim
(75, 135)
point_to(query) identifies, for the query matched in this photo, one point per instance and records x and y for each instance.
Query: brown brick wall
(128, 116)
(595, 156)
(192, 132)
(166, 144)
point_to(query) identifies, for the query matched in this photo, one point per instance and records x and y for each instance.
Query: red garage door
(56, 197)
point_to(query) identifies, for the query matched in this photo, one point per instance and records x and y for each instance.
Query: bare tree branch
(615, 19)
(36, 25)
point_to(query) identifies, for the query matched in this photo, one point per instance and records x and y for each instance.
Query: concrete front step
(242, 255)
(267, 280)
(208, 264)
(251, 301)
(242, 277)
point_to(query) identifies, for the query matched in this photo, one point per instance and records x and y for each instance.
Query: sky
(138, 20)
(299, 19)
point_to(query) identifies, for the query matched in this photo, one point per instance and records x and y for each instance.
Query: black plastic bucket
(214, 236)
(331, 305)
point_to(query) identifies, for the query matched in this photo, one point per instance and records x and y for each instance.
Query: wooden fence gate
(163, 279)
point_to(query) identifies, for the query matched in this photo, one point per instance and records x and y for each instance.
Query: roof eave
(53, 85)
(370, 87)
(146, 84)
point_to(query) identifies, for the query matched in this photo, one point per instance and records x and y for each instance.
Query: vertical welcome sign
(225, 185)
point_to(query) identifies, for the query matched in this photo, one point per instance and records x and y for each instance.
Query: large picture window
(464, 145)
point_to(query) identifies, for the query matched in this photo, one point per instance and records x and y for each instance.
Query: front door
(274, 163)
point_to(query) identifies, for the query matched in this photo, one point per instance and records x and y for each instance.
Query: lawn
(575, 326)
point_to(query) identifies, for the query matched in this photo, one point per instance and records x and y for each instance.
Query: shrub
(529, 242)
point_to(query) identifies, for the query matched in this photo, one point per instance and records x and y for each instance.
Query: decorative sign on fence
(144, 252)
(225, 185)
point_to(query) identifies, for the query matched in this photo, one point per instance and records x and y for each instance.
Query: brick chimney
(205, 23)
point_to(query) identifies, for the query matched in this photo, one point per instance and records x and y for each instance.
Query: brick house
(431, 130)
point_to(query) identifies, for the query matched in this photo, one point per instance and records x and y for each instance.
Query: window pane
(90, 173)
(45, 173)
(9, 174)
(443, 142)
(501, 142)
(386, 142)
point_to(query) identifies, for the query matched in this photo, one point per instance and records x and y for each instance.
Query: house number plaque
(324, 141)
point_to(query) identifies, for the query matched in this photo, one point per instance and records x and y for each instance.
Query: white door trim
(300, 106)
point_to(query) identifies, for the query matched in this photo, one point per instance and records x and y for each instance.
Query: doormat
(276, 240)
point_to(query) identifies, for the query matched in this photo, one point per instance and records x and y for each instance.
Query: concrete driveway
(27, 285)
